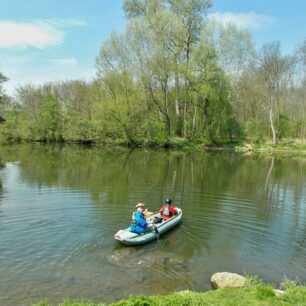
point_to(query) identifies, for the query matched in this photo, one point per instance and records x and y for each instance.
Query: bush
(295, 296)
(263, 292)
(288, 283)
(284, 127)
(255, 130)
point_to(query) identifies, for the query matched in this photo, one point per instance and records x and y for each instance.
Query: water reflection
(61, 205)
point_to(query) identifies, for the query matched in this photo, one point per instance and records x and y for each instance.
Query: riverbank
(295, 146)
(281, 147)
(259, 294)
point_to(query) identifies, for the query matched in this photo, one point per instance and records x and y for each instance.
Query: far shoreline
(296, 147)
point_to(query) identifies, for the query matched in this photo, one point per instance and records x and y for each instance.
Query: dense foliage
(172, 76)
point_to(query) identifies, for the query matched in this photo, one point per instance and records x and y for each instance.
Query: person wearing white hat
(139, 224)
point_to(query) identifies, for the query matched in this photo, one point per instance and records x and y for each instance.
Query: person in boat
(139, 224)
(168, 210)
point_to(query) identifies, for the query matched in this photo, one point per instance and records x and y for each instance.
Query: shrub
(288, 283)
(255, 130)
(263, 292)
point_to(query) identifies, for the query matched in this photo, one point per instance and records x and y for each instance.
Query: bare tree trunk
(194, 120)
(167, 117)
(185, 119)
(271, 122)
(177, 106)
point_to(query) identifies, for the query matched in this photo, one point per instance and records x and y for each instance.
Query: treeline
(173, 75)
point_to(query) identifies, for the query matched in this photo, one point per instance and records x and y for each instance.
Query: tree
(234, 46)
(272, 71)
(49, 123)
(3, 97)
(30, 100)
(122, 106)
(302, 92)
(120, 95)
(211, 96)
(165, 32)
(191, 14)
(154, 61)
(3, 79)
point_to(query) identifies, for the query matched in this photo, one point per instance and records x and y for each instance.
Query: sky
(58, 40)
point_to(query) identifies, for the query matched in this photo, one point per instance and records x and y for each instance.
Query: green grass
(259, 294)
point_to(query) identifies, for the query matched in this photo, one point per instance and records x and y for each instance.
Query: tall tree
(234, 46)
(191, 14)
(154, 52)
(211, 90)
(272, 71)
(3, 79)
(49, 123)
(172, 30)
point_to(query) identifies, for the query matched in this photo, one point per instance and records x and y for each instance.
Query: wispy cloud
(246, 20)
(24, 69)
(38, 34)
(67, 61)
(67, 22)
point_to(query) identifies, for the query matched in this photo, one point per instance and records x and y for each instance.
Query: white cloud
(68, 61)
(246, 20)
(32, 65)
(67, 22)
(62, 69)
(38, 34)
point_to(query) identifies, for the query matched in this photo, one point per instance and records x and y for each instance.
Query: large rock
(228, 280)
(279, 292)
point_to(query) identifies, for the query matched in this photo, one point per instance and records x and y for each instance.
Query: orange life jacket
(133, 217)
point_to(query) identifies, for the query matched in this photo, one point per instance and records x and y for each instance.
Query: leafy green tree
(122, 106)
(255, 130)
(3, 97)
(272, 71)
(212, 96)
(3, 79)
(30, 100)
(163, 35)
(11, 130)
(284, 127)
(234, 46)
(49, 122)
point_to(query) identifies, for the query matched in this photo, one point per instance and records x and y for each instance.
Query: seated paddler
(168, 210)
(139, 223)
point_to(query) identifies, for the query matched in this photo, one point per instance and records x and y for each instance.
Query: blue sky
(54, 40)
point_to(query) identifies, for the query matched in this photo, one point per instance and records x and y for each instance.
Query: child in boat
(168, 210)
(139, 224)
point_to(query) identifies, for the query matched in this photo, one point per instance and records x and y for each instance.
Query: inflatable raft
(160, 227)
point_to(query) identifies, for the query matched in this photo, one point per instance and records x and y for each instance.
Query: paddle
(156, 231)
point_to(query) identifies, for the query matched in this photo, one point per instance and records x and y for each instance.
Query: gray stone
(279, 292)
(228, 280)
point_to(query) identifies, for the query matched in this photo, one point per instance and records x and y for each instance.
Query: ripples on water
(59, 209)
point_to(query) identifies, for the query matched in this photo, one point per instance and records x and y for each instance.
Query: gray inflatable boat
(160, 227)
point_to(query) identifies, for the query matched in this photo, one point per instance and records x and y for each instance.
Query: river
(61, 205)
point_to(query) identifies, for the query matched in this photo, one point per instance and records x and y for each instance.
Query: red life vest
(167, 212)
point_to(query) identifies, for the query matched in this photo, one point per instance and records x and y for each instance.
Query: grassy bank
(259, 294)
(295, 147)
(290, 145)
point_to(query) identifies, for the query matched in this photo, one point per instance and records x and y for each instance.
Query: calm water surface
(60, 207)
